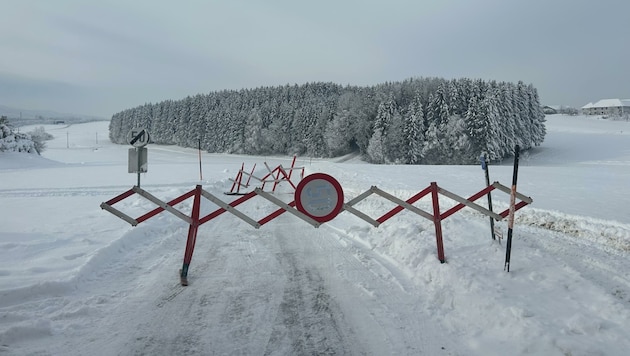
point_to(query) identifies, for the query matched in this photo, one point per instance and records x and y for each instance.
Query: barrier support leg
(192, 236)
(437, 221)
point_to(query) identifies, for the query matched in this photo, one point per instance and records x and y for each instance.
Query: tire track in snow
(229, 304)
(390, 297)
(307, 318)
(370, 299)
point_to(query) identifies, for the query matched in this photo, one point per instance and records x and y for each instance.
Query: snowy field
(76, 280)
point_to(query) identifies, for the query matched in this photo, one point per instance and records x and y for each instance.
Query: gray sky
(101, 57)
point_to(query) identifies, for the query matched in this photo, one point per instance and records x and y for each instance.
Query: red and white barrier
(318, 198)
(276, 176)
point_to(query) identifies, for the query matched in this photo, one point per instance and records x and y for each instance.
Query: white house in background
(613, 107)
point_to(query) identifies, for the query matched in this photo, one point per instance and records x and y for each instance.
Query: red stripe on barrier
(274, 215)
(220, 211)
(289, 178)
(399, 208)
(292, 166)
(516, 207)
(460, 206)
(237, 177)
(277, 179)
(250, 175)
(120, 197)
(158, 210)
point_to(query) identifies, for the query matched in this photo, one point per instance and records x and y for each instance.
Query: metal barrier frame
(195, 220)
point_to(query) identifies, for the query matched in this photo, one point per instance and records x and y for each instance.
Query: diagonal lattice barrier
(318, 198)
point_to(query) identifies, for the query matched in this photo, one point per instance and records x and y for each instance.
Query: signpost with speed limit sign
(138, 156)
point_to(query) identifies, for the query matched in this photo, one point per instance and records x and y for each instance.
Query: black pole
(508, 249)
(200, 173)
(484, 166)
(139, 157)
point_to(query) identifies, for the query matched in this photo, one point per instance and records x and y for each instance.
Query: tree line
(416, 121)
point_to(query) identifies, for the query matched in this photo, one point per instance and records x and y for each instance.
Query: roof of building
(608, 103)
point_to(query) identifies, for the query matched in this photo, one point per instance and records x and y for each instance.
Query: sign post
(138, 161)
(484, 166)
(508, 250)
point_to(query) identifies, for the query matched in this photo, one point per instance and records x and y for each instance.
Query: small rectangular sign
(498, 233)
(140, 153)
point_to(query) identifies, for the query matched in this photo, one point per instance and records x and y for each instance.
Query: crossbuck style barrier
(318, 199)
(275, 176)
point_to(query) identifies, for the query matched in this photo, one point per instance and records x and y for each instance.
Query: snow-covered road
(286, 289)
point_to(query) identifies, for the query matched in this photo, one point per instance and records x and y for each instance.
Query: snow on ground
(75, 280)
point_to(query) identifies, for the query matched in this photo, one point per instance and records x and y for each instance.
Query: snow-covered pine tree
(506, 127)
(536, 115)
(477, 126)
(337, 135)
(521, 117)
(388, 128)
(343, 133)
(253, 142)
(376, 148)
(414, 128)
(438, 113)
(457, 141)
(495, 138)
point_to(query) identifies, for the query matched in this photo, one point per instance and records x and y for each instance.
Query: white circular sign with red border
(319, 196)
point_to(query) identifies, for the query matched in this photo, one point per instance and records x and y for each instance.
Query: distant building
(550, 110)
(559, 109)
(612, 107)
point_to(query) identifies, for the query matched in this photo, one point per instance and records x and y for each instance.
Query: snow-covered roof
(608, 103)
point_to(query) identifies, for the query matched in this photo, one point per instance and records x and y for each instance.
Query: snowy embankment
(76, 280)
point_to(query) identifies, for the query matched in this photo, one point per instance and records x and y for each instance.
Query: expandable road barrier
(318, 198)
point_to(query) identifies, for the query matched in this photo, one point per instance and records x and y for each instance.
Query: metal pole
(508, 249)
(437, 221)
(484, 166)
(200, 174)
(139, 151)
(192, 236)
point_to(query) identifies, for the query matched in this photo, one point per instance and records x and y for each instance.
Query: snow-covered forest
(12, 141)
(417, 121)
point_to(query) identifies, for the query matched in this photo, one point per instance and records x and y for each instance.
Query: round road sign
(319, 196)
(138, 137)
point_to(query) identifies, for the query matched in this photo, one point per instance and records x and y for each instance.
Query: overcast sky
(101, 57)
